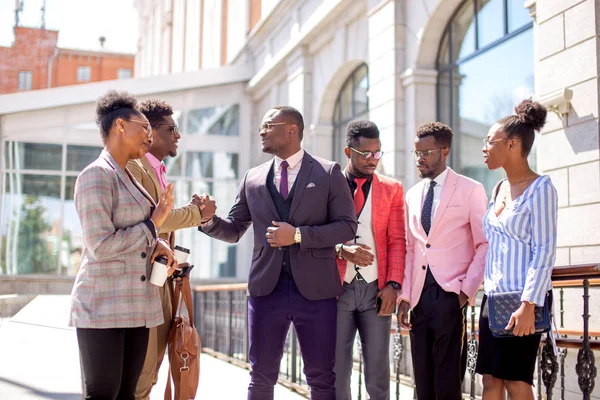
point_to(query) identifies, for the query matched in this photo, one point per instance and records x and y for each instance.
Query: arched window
(485, 66)
(352, 103)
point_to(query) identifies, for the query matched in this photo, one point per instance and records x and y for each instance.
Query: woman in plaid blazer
(113, 303)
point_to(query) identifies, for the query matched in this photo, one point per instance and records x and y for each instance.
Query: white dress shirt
(294, 164)
(437, 191)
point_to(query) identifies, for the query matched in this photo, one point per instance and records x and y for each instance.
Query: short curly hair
(441, 133)
(155, 110)
(360, 128)
(113, 105)
(294, 115)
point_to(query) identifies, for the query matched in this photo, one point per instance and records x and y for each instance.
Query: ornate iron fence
(222, 321)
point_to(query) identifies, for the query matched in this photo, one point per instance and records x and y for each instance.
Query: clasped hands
(206, 204)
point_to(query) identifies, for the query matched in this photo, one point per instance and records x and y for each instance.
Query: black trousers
(112, 361)
(437, 343)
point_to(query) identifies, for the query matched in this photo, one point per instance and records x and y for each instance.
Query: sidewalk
(39, 360)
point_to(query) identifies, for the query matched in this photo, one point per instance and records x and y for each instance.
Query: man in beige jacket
(151, 173)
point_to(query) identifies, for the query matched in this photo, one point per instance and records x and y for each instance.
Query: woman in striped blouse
(520, 225)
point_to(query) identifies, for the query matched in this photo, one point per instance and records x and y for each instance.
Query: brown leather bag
(184, 347)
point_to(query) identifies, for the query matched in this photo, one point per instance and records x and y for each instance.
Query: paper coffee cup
(181, 254)
(159, 271)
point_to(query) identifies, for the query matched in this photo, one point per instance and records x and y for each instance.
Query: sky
(80, 22)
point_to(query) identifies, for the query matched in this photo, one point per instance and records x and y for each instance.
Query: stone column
(299, 81)
(386, 97)
(420, 107)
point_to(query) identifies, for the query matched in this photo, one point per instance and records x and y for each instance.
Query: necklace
(511, 185)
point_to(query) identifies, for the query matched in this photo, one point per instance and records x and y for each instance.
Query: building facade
(400, 63)
(35, 62)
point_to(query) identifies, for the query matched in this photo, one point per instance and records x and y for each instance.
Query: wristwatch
(297, 236)
(394, 284)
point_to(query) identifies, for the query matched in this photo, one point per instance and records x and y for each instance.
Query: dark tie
(426, 212)
(359, 195)
(283, 183)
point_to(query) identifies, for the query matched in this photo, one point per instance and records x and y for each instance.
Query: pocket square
(310, 185)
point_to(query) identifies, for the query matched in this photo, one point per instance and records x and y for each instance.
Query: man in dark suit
(301, 207)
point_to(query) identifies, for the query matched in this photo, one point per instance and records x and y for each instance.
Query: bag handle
(183, 288)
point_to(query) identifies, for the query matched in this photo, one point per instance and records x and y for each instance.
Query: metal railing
(222, 321)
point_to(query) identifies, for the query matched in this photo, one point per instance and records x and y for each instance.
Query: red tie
(359, 195)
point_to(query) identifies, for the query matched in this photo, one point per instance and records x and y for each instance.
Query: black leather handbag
(502, 305)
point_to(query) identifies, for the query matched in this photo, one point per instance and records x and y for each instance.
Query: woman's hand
(162, 249)
(165, 203)
(523, 320)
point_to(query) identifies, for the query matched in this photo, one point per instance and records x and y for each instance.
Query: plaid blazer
(389, 230)
(112, 288)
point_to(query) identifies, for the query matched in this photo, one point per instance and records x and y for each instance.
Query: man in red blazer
(371, 266)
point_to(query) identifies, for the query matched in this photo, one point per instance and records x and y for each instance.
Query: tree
(33, 253)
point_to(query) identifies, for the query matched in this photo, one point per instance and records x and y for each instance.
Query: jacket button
(428, 245)
(143, 278)
(143, 254)
(424, 267)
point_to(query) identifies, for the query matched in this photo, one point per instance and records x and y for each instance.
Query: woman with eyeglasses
(113, 302)
(520, 225)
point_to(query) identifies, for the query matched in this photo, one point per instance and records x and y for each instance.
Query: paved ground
(39, 360)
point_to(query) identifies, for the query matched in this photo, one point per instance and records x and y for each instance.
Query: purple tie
(283, 183)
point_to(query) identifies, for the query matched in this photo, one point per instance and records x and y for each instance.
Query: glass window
(199, 165)
(72, 243)
(478, 86)
(124, 73)
(36, 156)
(30, 224)
(84, 74)
(352, 103)
(25, 79)
(490, 25)
(79, 157)
(219, 120)
(518, 15)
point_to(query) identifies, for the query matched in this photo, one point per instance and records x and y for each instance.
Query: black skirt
(508, 358)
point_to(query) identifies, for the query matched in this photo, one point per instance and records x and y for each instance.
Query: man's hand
(281, 234)
(402, 315)
(388, 296)
(523, 320)
(462, 299)
(206, 204)
(358, 254)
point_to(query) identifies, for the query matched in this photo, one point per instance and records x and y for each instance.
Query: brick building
(35, 62)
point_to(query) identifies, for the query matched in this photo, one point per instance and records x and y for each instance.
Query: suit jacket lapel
(446, 195)
(301, 181)
(138, 192)
(262, 176)
(150, 171)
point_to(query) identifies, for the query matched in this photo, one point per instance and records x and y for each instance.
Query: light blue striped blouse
(522, 243)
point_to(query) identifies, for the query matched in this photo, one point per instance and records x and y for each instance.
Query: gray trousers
(356, 312)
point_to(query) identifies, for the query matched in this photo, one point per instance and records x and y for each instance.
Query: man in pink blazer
(445, 259)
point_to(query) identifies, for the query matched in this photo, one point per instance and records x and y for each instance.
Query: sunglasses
(368, 154)
(174, 129)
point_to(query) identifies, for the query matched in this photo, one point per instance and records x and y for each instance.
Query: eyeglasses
(146, 125)
(488, 143)
(267, 126)
(424, 153)
(368, 154)
(174, 129)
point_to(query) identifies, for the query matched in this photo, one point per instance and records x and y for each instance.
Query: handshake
(206, 204)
